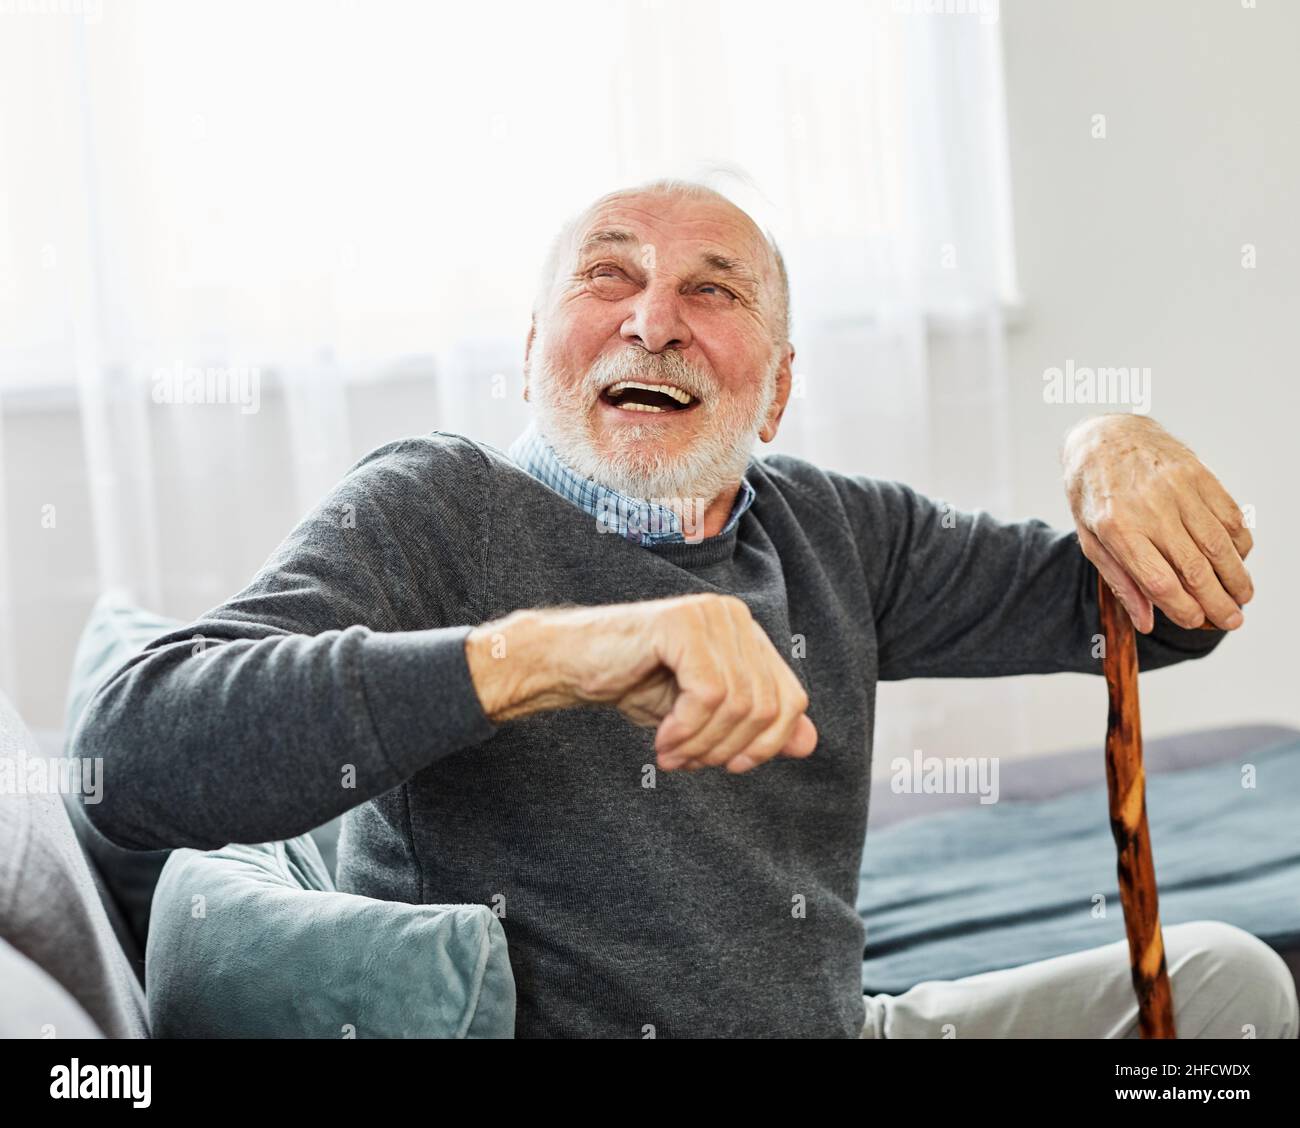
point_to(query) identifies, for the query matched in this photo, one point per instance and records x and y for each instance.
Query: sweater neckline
(700, 554)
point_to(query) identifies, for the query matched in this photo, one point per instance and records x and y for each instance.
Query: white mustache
(650, 368)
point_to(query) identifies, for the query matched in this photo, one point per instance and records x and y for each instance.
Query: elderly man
(622, 681)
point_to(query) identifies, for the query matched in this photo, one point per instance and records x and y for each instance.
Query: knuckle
(737, 707)
(712, 695)
(1196, 571)
(1158, 584)
(1109, 525)
(1188, 616)
(1218, 544)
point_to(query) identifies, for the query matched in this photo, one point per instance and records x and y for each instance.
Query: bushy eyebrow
(606, 237)
(620, 237)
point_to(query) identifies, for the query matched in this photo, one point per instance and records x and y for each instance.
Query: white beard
(715, 462)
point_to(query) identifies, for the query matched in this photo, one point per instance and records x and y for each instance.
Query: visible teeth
(641, 407)
(667, 389)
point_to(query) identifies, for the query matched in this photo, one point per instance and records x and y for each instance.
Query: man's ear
(784, 382)
(528, 348)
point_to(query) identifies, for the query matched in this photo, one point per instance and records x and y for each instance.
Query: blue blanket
(968, 891)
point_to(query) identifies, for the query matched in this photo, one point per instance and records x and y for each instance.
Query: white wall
(1130, 253)
(230, 530)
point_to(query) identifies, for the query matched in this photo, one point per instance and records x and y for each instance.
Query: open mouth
(655, 399)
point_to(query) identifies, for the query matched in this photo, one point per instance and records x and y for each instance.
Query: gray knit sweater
(699, 904)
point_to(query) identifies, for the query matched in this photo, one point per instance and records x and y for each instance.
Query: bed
(950, 887)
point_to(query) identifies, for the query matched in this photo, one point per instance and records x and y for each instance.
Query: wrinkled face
(653, 367)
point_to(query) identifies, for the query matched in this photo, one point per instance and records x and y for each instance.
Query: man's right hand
(696, 667)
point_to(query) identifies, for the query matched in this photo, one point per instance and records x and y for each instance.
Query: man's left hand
(1158, 525)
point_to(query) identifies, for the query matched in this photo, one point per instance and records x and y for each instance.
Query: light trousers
(1225, 983)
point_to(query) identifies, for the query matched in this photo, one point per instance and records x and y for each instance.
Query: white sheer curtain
(345, 206)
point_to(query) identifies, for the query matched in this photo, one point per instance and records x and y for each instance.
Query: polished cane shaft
(1126, 784)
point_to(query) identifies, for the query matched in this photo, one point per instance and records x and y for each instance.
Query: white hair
(562, 248)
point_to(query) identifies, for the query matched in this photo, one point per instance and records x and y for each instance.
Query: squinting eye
(714, 286)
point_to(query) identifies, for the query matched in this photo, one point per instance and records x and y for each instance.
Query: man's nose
(656, 322)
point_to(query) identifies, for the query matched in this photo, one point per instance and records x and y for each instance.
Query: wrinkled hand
(697, 668)
(722, 695)
(1158, 525)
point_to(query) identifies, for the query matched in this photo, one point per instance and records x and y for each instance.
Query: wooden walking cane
(1126, 784)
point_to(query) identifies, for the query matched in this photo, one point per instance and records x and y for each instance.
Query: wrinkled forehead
(680, 231)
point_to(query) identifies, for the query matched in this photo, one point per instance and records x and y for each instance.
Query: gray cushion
(254, 941)
(115, 631)
(35, 1006)
(50, 910)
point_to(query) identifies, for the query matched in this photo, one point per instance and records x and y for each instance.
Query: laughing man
(623, 678)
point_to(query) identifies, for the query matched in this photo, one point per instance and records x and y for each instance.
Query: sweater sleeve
(337, 673)
(960, 594)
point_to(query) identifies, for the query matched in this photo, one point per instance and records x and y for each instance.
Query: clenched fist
(696, 667)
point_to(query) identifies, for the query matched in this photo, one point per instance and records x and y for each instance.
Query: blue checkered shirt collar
(637, 519)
